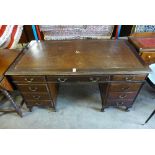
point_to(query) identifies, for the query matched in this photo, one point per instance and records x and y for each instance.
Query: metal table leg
(150, 117)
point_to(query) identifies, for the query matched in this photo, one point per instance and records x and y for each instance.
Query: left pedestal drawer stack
(36, 91)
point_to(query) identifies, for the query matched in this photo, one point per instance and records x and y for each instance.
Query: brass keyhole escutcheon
(77, 52)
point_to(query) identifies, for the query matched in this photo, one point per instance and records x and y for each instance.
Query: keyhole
(77, 52)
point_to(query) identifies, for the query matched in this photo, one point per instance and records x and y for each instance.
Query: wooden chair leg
(9, 97)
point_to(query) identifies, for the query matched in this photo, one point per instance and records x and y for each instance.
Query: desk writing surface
(82, 56)
(7, 57)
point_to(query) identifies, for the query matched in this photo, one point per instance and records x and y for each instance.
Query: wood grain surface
(78, 57)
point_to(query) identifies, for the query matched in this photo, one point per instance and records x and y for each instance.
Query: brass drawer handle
(125, 88)
(129, 78)
(122, 96)
(119, 103)
(29, 80)
(62, 80)
(94, 79)
(33, 89)
(107, 78)
(149, 57)
(36, 97)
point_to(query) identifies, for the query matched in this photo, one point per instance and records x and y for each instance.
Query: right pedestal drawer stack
(121, 91)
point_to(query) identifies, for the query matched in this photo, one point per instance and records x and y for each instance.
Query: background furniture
(10, 36)
(113, 64)
(7, 57)
(126, 30)
(151, 80)
(143, 39)
(62, 32)
(145, 45)
(149, 117)
(27, 33)
(143, 28)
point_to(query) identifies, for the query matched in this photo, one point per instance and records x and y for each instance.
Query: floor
(79, 107)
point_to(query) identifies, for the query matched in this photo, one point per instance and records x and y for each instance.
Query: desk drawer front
(62, 79)
(128, 77)
(29, 79)
(36, 96)
(33, 88)
(39, 103)
(148, 57)
(124, 87)
(121, 95)
(127, 103)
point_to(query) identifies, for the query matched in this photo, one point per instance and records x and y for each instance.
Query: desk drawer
(124, 87)
(148, 57)
(33, 87)
(39, 103)
(127, 103)
(128, 77)
(122, 95)
(29, 79)
(77, 79)
(36, 96)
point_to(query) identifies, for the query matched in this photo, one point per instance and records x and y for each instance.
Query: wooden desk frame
(38, 83)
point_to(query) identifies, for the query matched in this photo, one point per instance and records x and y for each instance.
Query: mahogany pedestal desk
(112, 64)
(7, 57)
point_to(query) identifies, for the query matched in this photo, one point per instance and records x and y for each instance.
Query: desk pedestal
(116, 90)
